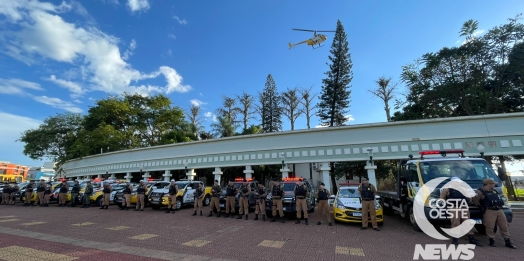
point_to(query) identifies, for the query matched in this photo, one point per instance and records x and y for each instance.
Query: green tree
(194, 119)
(271, 107)
(253, 129)
(385, 92)
(246, 110)
(335, 95)
(223, 127)
(291, 106)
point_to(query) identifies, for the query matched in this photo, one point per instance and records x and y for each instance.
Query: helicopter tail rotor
(290, 45)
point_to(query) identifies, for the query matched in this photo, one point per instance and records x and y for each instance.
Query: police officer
(87, 194)
(260, 194)
(140, 195)
(301, 192)
(64, 188)
(367, 192)
(173, 190)
(277, 193)
(14, 189)
(107, 194)
(74, 193)
(47, 195)
(127, 196)
(29, 193)
(6, 193)
(216, 190)
(243, 203)
(323, 196)
(458, 195)
(40, 189)
(488, 198)
(231, 191)
(198, 193)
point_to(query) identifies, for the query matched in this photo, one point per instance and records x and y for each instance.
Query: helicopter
(317, 38)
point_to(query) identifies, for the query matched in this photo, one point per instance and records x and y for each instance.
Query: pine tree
(271, 107)
(335, 96)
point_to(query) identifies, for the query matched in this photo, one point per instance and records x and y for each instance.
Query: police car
(347, 206)
(289, 200)
(238, 183)
(160, 197)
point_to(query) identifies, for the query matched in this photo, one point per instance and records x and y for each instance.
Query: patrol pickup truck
(413, 173)
(289, 204)
(160, 197)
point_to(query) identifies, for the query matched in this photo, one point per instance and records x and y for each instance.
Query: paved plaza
(53, 233)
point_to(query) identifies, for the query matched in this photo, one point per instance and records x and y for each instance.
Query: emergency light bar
(441, 152)
(292, 179)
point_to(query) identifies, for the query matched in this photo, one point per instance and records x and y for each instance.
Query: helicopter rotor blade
(303, 30)
(325, 31)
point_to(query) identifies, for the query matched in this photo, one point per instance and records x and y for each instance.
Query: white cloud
(320, 126)
(12, 150)
(44, 34)
(172, 36)
(180, 21)
(137, 5)
(17, 86)
(210, 115)
(196, 102)
(75, 88)
(169, 52)
(349, 118)
(129, 51)
(58, 103)
(201, 94)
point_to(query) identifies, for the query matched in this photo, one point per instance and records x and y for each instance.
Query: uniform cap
(216, 181)
(322, 184)
(489, 181)
(172, 180)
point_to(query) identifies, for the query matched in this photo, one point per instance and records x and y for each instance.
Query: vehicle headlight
(505, 203)
(338, 204)
(134, 193)
(377, 205)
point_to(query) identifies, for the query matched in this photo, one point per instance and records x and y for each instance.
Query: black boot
(298, 221)
(227, 215)
(218, 214)
(492, 242)
(473, 241)
(272, 220)
(200, 213)
(455, 241)
(83, 206)
(263, 217)
(194, 214)
(239, 217)
(107, 206)
(172, 211)
(307, 223)
(282, 220)
(246, 216)
(256, 217)
(508, 243)
(318, 223)
(210, 214)
(127, 208)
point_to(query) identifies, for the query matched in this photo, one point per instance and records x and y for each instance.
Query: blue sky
(58, 56)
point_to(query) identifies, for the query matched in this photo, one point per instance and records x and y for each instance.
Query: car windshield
(463, 169)
(181, 184)
(288, 186)
(348, 193)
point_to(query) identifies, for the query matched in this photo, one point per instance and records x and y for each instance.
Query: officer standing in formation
(243, 204)
(29, 193)
(277, 193)
(47, 195)
(173, 190)
(367, 192)
(457, 195)
(301, 192)
(231, 191)
(6, 193)
(64, 188)
(127, 196)
(107, 194)
(14, 190)
(40, 189)
(490, 200)
(87, 194)
(260, 206)
(199, 193)
(323, 195)
(216, 190)
(140, 196)
(74, 193)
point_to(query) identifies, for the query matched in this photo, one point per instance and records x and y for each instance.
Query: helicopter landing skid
(318, 46)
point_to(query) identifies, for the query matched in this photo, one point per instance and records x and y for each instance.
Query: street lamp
(141, 167)
(370, 153)
(185, 164)
(283, 157)
(481, 149)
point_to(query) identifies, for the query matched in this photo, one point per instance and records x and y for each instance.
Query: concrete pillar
(113, 177)
(249, 172)
(128, 177)
(324, 174)
(167, 175)
(99, 176)
(285, 172)
(146, 176)
(191, 174)
(218, 174)
(370, 167)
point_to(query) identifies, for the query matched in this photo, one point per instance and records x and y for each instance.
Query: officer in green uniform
(74, 193)
(216, 190)
(87, 194)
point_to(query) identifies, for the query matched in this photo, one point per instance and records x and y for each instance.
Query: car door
(188, 196)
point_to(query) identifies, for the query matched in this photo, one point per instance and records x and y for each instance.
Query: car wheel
(119, 205)
(269, 213)
(207, 201)
(481, 229)
(413, 221)
(100, 201)
(178, 204)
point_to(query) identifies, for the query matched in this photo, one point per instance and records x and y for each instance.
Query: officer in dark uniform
(277, 193)
(301, 192)
(64, 188)
(173, 190)
(198, 194)
(87, 194)
(126, 197)
(367, 192)
(140, 196)
(107, 194)
(47, 195)
(14, 189)
(40, 189)
(260, 195)
(323, 206)
(231, 191)
(29, 193)
(74, 193)
(488, 198)
(243, 202)
(6, 193)
(216, 190)
(455, 194)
